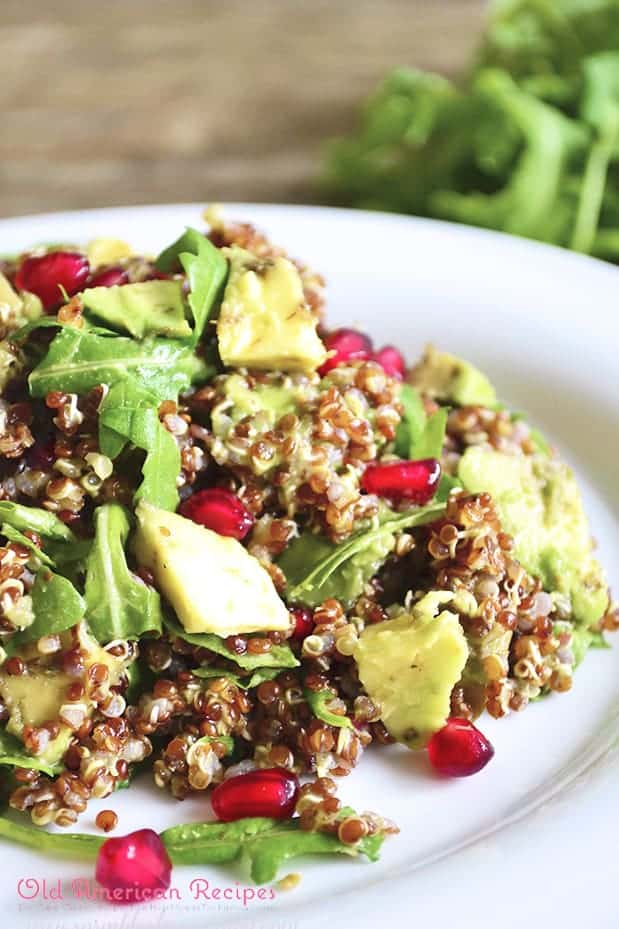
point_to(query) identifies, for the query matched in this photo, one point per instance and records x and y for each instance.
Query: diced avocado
(8, 297)
(410, 664)
(247, 401)
(211, 581)
(539, 503)
(348, 581)
(105, 251)
(264, 320)
(37, 696)
(147, 308)
(452, 380)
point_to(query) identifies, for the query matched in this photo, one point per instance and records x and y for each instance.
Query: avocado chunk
(452, 380)
(539, 504)
(147, 308)
(8, 297)
(212, 583)
(105, 251)
(38, 696)
(264, 320)
(410, 664)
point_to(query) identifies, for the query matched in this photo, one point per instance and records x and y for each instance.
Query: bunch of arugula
(527, 143)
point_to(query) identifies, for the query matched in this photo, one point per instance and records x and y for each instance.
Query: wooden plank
(145, 101)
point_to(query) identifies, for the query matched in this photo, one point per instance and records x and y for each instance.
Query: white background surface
(532, 840)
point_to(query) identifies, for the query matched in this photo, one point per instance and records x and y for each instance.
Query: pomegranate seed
(219, 510)
(303, 622)
(42, 455)
(459, 749)
(111, 277)
(403, 480)
(269, 792)
(46, 274)
(348, 345)
(391, 361)
(134, 862)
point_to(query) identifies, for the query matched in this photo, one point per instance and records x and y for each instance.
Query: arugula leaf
(430, 443)
(79, 360)
(446, 485)
(146, 308)
(130, 413)
(269, 850)
(313, 575)
(319, 703)
(418, 435)
(279, 656)
(206, 269)
(36, 520)
(412, 423)
(346, 583)
(247, 683)
(267, 844)
(56, 605)
(12, 752)
(14, 535)
(73, 844)
(118, 604)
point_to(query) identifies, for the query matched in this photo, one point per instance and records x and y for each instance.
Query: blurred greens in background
(527, 143)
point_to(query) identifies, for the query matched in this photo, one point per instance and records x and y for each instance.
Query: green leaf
(57, 606)
(279, 656)
(316, 573)
(319, 701)
(146, 308)
(130, 413)
(344, 584)
(14, 535)
(36, 520)
(212, 843)
(446, 485)
(267, 843)
(269, 850)
(412, 423)
(12, 753)
(247, 683)
(72, 844)
(206, 269)
(430, 443)
(77, 361)
(118, 604)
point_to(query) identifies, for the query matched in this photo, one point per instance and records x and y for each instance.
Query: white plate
(532, 839)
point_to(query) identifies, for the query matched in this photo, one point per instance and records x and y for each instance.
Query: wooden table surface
(146, 101)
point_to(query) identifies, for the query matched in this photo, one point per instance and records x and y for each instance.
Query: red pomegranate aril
(459, 749)
(303, 622)
(391, 361)
(111, 277)
(220, 510)
(49, 275)
(403, 480)
(348, 345)
(134, 862)
(269, 792)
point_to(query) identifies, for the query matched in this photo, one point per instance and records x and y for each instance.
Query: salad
(238, 549)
